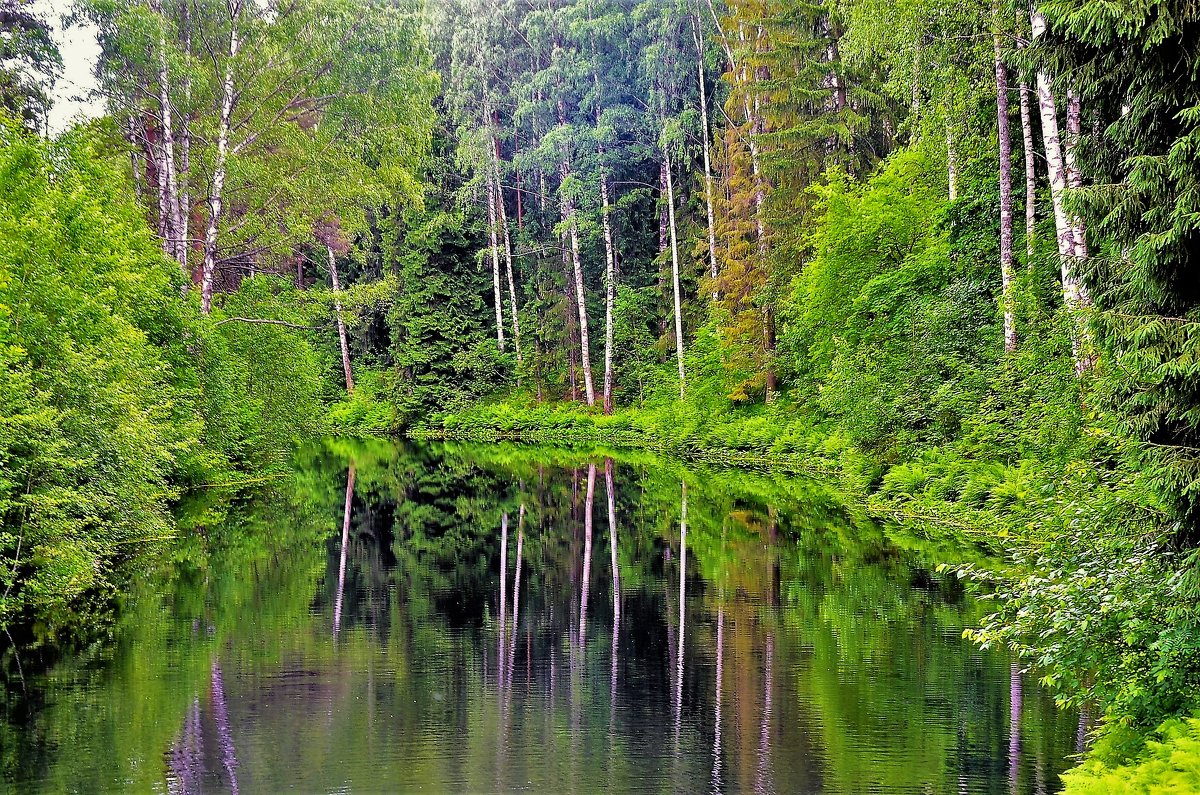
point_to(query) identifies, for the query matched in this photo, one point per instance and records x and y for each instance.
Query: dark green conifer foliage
(1137, 68)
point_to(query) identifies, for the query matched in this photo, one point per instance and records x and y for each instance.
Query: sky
(79, 53)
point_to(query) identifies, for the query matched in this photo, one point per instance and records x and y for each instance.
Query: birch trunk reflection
(1014, 726)
(224, 734)
(716, 771)
(512, 642)
(589, 502)
(762, 780)
(185, 763)
(678, 700)
(500, 634)
(341, 587)
(616, 578)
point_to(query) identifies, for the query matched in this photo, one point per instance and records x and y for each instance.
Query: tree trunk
(571, 323)
(172, 243)
(951, 163)
(675, 272)
(135, 158)
(185, 149)
(753, 128)
(219, 166)
(1075, 178)
(341, 322)
(1006, 200)
(494, 248)
(1074, 297)
(502, 214)
(567, 209)
(708, 178)
(1030, 171)
(610, 285)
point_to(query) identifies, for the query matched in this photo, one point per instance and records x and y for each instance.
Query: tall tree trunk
(341, 321)
(220, 163)
(1006, 199)
(567, 210)
(185, 148)
(706, 139)
(172, 243)
(752, 123)
(1074, 296)
(1030, 165)
(502, 215)
(951, 163)
(494, 248)
(1075, 178)
(1030, 170)
(135, 158)
(571, 322)
(675, 272)
(610, 284)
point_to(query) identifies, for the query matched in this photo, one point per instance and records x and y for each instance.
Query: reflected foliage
(812, 649)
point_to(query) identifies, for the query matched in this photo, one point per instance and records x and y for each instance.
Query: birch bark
(675, 272)
(341, 321)
(220, 164)
(1006, 200)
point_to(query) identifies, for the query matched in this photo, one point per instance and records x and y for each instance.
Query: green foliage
(94, 415)
(1169, 765)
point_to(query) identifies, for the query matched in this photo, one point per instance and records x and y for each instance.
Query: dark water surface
(461, 619)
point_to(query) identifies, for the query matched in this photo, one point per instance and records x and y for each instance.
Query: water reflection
(746, 634)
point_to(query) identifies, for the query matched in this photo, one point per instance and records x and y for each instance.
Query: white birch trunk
(567, 211)
(1075, 179)
(752, 142)
(708, 178)
(218, 183)
(1073, 295)
(675, 273)
(169, 185)
(951, 163)
(1006, 201)
(1030, 170)
(610, 285)
(502, 215)
(341, 321)
(494, 249)
(185, 152)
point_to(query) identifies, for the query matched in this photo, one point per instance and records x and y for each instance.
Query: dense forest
(944, 253)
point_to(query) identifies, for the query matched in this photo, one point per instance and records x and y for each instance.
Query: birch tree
(1006, 197)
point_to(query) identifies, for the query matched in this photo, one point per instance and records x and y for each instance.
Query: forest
(942, 254)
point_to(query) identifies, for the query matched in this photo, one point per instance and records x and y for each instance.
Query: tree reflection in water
(760, 631)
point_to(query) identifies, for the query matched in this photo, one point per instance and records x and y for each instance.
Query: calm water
(497, 619)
